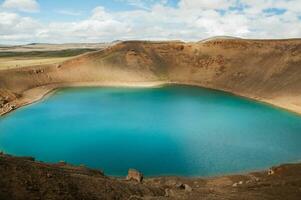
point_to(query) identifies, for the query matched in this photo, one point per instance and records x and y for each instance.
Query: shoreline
(31, 177)
(39, 93)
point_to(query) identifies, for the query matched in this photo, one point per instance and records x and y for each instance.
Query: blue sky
(61, 10)
(62, 21)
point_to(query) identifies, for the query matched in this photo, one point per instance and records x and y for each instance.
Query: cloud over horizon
(187, 20)
(22, 5)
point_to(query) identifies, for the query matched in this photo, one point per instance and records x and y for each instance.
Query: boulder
(271, 171)
(13, 107)
(135, 175)
(185, 187)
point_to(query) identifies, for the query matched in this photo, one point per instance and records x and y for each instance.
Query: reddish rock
(134, 175)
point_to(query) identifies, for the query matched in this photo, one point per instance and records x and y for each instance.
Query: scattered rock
(38, 71)
(135, 175)
(238, 183)
(276, 170)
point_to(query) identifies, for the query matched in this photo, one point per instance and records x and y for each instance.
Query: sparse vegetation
(46, 54)
(15, 59)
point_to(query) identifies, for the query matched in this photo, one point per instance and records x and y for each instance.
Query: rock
(13, 107)
(180, 186)
(37, 71)
(62, 162)
(185, 187)
(271, 171)
(134, 175)
(166, 193)
(171, 182)
(27, 158)
(276, 170)
(169, 193)
(2, 102)
(236, 184)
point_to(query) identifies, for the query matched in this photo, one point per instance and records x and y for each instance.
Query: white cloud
(206, 4)
(189, 20)
(15, 28)
(22, 5)
(100, 26)
(69, 12)
(143, 4)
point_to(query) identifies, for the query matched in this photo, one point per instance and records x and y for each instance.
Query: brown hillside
(267, 70)
(24, 179)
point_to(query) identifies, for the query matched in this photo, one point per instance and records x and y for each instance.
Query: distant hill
(51, 47)
(220, 38)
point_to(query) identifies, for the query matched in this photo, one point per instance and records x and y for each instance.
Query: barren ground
(23, 178)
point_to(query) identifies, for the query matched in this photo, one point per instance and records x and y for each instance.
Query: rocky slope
(23, 178)
(266, 70)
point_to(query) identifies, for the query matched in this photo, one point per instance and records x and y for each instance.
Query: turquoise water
(174, 130)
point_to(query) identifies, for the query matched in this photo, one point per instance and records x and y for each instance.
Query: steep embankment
(266, 70)
(22, 178)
